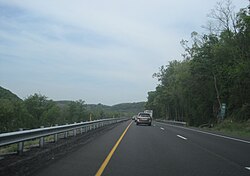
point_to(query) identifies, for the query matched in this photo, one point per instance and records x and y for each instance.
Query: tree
(13, 115)
(43, 111)
(77, 112)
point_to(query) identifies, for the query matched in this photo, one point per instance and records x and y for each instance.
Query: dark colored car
(143, 118)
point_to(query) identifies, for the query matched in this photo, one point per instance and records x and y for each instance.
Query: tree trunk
(217, 91)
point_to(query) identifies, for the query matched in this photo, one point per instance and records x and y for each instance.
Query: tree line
(215, 71)
(37, 110)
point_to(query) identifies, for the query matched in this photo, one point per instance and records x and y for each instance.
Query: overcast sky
(100, 51)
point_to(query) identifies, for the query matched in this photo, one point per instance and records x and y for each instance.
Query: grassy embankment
(232, 128)
(27, 145)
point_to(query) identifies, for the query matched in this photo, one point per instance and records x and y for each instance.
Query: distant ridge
(130, 108)
(6, 94)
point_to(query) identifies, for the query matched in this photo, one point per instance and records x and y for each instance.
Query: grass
(27, 145)
(230, 127)
(8, 149)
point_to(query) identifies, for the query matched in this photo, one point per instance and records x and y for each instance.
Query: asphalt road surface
(159, 149)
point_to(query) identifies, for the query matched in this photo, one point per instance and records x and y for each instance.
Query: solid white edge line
(162, 128)
(217, 135)
(248, 168)
(181, 137)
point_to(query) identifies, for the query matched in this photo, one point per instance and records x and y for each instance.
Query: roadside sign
(223, 110)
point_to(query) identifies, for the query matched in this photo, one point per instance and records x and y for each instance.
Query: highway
(160, 149)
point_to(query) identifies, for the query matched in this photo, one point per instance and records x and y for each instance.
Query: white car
(144, 118)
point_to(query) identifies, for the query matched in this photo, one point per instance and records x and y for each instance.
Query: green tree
(13, 115)
(43, 111)
(77, 112)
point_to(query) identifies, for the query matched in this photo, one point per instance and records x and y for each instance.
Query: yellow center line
(106, 161)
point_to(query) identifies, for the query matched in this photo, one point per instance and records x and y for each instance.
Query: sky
(98, 51)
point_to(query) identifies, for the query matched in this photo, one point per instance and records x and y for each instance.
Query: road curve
(159, 149)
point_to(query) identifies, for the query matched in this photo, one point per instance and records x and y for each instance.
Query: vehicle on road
(144, 118)
(149, 112)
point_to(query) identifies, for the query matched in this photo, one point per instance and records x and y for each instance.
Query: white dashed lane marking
(182, 137)
(217, 135)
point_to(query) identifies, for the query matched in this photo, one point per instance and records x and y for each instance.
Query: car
(143, 118)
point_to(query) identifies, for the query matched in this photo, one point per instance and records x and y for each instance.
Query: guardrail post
(20, 145)
(66, 133)
(74, 130)
(56, 136)
(81, 130)
(41, 142)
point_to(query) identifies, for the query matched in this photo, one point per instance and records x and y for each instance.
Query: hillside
(128, 108)
(37, 110)
(131, 108)
(63, 103)
(123, 108)
(6, 94)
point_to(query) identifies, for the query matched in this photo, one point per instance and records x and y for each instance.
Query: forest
(37, 110)
(214, 73)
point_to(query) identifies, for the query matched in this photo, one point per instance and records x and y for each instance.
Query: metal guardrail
(21, 136)
(172, 122)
